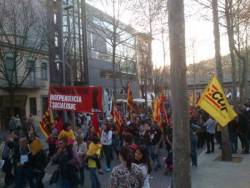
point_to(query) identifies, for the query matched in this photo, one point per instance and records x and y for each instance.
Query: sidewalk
(213, 173)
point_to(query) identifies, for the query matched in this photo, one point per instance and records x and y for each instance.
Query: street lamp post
(85, 47)
(62, 8)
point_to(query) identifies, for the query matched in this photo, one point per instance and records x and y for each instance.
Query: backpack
(2, 145)
(5, 151)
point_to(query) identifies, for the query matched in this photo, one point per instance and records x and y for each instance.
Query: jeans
(7, 169)
(234, 143)
(93, 178)
(63, 183)
(116, 144)
(244, 142)
(22, 175)
(194, 141)
(155, 157)
(82, 176)
(210, 142)
(108, 154)
(38, 177)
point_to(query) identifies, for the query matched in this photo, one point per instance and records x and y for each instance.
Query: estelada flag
(130, 97)
(46, 123)
(117, 118)
(157, 110)
(215, 103)
(163, 109)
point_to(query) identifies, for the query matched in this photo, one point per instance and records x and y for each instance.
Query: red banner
(76, 98)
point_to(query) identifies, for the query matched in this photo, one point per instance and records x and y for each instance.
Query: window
(30, 66)
(33, 105)
(44, 71)
(9, 65)
(56, 39)
(55, 18)
(44, 104)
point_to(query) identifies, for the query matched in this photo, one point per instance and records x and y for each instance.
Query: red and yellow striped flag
(117, 118)
(46, 123)
(157, 110)
(130, 98)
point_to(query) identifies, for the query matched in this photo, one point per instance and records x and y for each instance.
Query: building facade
(30, 96)
(100, 34)
(23, 59)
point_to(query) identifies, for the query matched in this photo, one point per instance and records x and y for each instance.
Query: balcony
(35, 83)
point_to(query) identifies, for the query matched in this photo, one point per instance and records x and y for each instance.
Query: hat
(36, 146)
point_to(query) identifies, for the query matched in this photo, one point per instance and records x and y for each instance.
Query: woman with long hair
(127, 174)
(143, 161)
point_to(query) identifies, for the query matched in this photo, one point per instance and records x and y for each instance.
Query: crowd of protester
(80, 149)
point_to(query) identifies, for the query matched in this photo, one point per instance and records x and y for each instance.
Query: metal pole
(62, 46)
(85, 47)
(62, 54)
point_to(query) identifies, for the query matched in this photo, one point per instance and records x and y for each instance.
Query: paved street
(213, 173)
(157, 180)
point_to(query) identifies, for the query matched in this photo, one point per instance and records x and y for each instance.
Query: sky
(199, 35)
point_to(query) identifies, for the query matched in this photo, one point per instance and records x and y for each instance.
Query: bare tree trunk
(149, 64)
(114, 71)
(230, 34)
(226, 151)
(12, 101)
(181, 140)
(245, 74)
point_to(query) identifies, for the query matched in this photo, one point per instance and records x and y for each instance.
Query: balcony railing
(29, 83)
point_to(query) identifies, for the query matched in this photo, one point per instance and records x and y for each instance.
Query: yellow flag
(215, 103)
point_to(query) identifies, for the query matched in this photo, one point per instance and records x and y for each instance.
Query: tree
(236, 17)
(181, 140)
(23, 42)
(149, 13)
(226, 150)
(112, 31)
(238, 13)
(230, 34)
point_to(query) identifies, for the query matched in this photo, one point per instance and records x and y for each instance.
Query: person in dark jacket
(38, 160)
(243, 130)
(67, 167)
(23, 171)
(7, 152)
(156, 139)
(232, 128)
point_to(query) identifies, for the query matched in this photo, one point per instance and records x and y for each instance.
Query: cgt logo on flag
(214, 102)
(217, 98)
